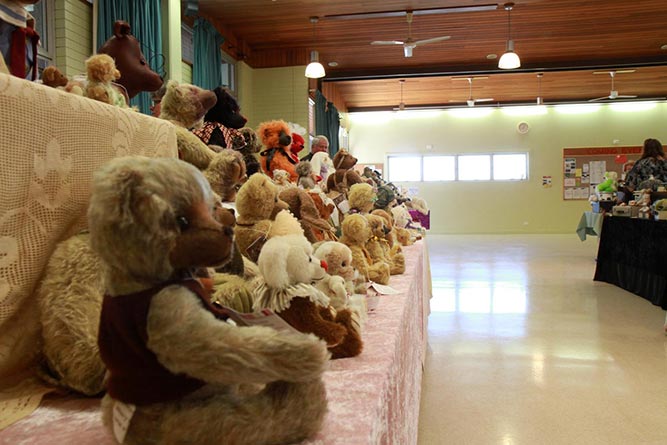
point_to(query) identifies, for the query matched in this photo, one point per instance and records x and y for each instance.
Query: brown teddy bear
(170, 353)
(356, 233)
(276, 137)
(379, 248)
(136, 74)
(303, 207)
(339, 263)
(257, 204)
(287, 267)
(361, 198)
(101, 71)
(247, 144)
(185, 105)
(344, 176)
(54, 78)
(226, 173)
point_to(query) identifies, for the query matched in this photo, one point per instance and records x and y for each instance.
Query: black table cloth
(633, 255)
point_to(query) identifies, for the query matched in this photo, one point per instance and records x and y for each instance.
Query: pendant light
(314, 70)
(509, 60)
(539, 100)
(401, 104)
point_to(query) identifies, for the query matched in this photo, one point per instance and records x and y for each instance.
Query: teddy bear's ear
(272, 263)
(137, 204)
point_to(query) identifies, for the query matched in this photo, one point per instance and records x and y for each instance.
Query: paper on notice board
(570, 182)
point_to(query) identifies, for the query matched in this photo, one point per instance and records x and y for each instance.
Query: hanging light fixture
(401, 104)
(509, 60)
(539, 100)
(314, 70)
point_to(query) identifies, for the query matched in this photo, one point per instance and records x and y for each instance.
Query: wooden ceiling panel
(565, 39)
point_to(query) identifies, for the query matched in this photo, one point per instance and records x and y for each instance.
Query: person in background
(318, 144)
(18, 38)
(651, 164)
(156, 99)
(319, 159)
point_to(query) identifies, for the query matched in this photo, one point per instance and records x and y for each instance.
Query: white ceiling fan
(409, 44)
(613, 94)
(470, 101)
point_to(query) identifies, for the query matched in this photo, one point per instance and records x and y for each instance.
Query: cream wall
(244, 76)
(503, 207)
(74, 31)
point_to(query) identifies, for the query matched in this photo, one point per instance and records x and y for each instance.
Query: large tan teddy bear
(356, 233)
(379, 248)
(361, 198)
(169, 351)
(257, 204)
(288, 268)
(185, 106)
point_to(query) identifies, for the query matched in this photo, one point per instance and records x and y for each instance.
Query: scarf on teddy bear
(280, 299)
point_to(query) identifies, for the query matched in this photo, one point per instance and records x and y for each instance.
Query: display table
(373, 398)
(633, 255)
(589, 224)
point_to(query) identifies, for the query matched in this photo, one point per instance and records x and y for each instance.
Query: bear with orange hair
(276, 137)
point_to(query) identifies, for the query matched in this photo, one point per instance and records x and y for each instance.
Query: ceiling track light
(314, 70)
(510, 60)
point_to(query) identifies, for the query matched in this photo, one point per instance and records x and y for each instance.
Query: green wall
(186, 72)
(274, 93)
(74, 35)
(502, 207)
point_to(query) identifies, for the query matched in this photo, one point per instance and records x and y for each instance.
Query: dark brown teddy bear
(345, 176)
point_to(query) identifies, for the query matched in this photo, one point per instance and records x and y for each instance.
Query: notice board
(584, 168)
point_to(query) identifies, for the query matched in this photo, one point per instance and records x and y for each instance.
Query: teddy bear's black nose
(228, 231)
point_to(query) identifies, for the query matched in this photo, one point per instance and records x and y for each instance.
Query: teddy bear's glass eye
(343, 264)
(183, 222)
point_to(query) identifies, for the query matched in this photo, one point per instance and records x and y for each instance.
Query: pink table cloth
(373, 398)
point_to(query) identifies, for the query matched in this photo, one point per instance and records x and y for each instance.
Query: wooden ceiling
(566, 40)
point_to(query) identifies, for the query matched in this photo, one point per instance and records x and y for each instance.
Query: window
(474, 167)
(187, 45)
(462, 167)
(510, 167)
(44, 14)
(405, 168)
(228, 70)
(439, 168)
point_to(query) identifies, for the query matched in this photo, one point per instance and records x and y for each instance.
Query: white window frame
(456, 165)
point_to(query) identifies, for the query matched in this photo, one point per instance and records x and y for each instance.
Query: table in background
(589, 224)
(633, 256)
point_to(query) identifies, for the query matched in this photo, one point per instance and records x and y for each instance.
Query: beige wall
(503, 207)
(275, 93)
(74, 41)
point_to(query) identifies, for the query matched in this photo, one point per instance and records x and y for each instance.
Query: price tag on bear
(382, 290)
(121, 415)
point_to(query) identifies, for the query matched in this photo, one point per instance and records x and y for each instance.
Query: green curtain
(327, 121)
(333, 120)
(145, 18)
(207, 66)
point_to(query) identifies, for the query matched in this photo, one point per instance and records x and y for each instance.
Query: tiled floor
(525, 348)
